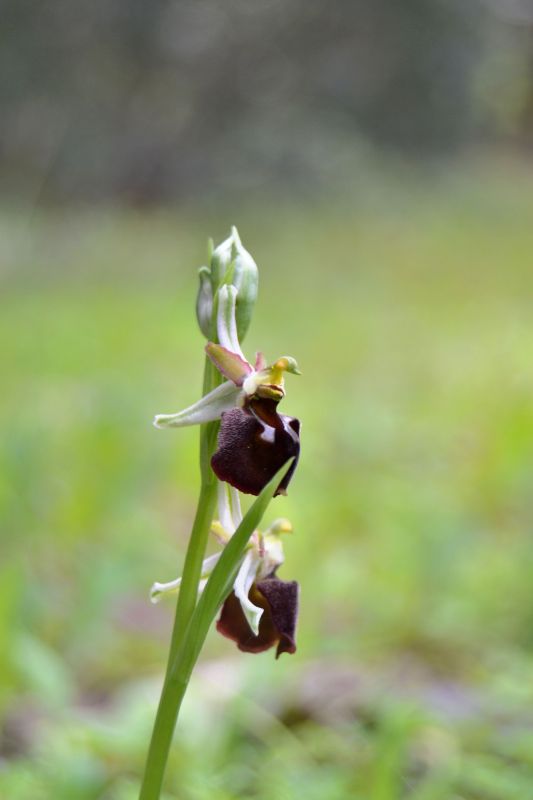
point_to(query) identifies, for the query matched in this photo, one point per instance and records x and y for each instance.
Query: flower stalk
(175, 685)
(225, 302)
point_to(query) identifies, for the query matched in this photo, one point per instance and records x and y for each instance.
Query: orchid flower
(254, 440)
(261, 610)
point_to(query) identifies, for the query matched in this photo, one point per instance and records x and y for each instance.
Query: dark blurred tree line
(169, 99)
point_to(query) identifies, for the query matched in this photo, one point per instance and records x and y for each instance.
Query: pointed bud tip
(235, 236)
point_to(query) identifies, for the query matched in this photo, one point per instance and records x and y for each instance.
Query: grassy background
(408, 308)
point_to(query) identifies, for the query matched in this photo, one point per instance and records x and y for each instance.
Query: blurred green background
(387, 196)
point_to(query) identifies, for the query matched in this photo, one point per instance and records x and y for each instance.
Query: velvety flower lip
(277, 626)
(254, 442)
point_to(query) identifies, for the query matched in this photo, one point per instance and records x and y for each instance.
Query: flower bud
(204, 302)
(234, 265)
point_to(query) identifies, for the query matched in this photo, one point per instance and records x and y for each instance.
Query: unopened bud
(204, 302)
(234, 265)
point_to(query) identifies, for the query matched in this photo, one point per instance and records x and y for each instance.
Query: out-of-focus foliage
(138, 101)
(410, 315)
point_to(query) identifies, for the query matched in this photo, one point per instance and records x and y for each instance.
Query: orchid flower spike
(261, 611)
(254, 441)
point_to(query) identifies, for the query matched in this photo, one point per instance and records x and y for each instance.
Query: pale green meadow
(410, 311)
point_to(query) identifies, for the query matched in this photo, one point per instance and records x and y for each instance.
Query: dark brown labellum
(279, 599)
(253, 443)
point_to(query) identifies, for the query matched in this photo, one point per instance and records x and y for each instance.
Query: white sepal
(158, 589)
(207, 409)
(243, 583)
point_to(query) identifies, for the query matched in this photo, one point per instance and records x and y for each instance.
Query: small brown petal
(253, 443)
(282, 597)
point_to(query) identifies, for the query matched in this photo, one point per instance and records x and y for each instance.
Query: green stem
(193, 566)
(172, 693)
(180, 667)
